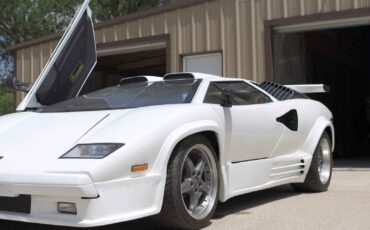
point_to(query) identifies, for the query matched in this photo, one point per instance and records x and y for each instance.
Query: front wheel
(191, 192)
(319, 175)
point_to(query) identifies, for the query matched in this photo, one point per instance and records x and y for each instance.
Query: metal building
(291, 41)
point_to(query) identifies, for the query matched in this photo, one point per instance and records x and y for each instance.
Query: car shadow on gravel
(237, 206)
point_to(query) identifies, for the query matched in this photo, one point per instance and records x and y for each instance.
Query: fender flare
(181, 133)
(161, 163)
(321, 124)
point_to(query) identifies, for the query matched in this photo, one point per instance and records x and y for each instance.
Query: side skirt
(250, 176)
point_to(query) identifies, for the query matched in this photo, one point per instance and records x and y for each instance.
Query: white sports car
(171, 147)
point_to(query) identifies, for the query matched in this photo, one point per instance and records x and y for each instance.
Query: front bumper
(70, 185)
(97, 203)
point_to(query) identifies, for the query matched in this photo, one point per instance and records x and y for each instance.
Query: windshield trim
(191, 91)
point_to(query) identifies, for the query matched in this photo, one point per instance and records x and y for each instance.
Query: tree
(6, 101)
(108, 9)
(22, 20)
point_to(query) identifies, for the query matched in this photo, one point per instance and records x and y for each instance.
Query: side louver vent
(285, 169)
(278, 91)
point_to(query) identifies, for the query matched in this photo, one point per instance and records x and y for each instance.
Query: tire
(184, 185)
(319, 175)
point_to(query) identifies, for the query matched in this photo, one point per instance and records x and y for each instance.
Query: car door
(251, 129)
(68, 67)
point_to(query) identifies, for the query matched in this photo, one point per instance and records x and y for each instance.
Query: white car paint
(255, 152)
(315, 88)
(31, 144)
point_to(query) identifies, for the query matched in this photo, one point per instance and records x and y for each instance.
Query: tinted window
(247, 95)
(131, 95)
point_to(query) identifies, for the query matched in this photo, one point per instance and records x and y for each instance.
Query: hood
(31, 141)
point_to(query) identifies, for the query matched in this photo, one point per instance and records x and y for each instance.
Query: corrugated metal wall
(234, 26)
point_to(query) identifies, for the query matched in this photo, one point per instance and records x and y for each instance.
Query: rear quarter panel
(313, 119)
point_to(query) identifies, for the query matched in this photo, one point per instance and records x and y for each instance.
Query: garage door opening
(339, 58)
(109, 70)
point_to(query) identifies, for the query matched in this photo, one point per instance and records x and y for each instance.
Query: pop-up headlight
(92, 151)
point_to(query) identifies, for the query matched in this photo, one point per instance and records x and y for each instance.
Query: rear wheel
(319, 174)
(191, 192)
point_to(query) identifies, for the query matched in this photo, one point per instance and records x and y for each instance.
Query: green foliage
(6, 101)
(108, 9)
(27, 19)
(22, 20)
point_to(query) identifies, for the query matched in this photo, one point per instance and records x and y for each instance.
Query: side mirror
(228, 94)
(12, 83)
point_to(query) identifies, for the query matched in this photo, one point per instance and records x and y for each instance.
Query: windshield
(131, 95)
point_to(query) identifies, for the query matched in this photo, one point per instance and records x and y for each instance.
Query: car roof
(205, 76)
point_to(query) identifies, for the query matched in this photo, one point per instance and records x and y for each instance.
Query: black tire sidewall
(176, 162)
(314, 173)
(312, 181)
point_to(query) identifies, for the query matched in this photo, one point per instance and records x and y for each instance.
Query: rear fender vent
(276, 90)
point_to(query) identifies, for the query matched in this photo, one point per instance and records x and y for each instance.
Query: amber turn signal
(139, 168)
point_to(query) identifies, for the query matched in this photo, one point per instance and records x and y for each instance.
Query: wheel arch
(330, 130)
(321, 125)
(213, 138)
(210, 129)
(210, 135)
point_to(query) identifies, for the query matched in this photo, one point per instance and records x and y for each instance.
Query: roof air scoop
(178, 76)
(138, 79)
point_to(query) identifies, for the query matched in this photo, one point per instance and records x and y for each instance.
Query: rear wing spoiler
(310, 88)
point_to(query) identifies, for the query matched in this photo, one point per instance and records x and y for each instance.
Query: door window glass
(246, 94)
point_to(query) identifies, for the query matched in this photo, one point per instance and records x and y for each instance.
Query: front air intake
(19, 204)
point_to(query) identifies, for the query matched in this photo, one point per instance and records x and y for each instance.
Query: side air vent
(284, 169)
(178, 76)
(278, 91)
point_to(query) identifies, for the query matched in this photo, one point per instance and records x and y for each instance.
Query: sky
(3, 67)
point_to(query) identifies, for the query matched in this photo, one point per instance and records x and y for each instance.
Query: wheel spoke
(186, 186)
(193, 203)
(198, 195)
(200, 167)
(194, 200)
(190, 165)
(198, 182)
